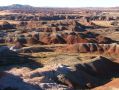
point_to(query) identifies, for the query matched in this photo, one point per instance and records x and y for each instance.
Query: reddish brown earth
(59, 37)
(71, 39)
(91, 47)
(113, 85)
(80, 76)
(66, 38)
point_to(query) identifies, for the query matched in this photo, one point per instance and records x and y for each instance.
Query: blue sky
(63, 3)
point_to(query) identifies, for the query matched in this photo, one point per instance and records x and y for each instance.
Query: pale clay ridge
(26, 79)
(43, 78)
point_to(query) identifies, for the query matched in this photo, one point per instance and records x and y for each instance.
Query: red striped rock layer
(91, 47)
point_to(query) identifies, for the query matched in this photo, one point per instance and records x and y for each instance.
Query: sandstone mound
(53, 38)
(71, 39)
(90, 48)
(104, 40)
(57, 39)
(32, 40)
(44, 38)
(60, 38)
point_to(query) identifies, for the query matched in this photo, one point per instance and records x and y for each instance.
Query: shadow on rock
(12, 82)
(98, 72)
(10, 58)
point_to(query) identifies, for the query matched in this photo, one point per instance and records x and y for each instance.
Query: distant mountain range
(16, 6)
(28, 7)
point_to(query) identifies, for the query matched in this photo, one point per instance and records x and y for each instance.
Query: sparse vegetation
(53, 48)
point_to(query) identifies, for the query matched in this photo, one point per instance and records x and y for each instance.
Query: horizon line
(61, 6)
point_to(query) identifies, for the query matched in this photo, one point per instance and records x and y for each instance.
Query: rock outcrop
(90, 48)
(81, 76)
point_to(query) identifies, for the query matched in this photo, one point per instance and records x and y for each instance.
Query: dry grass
(6, 12)
(111, 13)
(55, 58)
(103, 23)
(10, 21)
(114, 36)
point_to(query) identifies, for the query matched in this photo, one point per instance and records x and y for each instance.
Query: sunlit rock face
(90, 48)
(47, 78)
